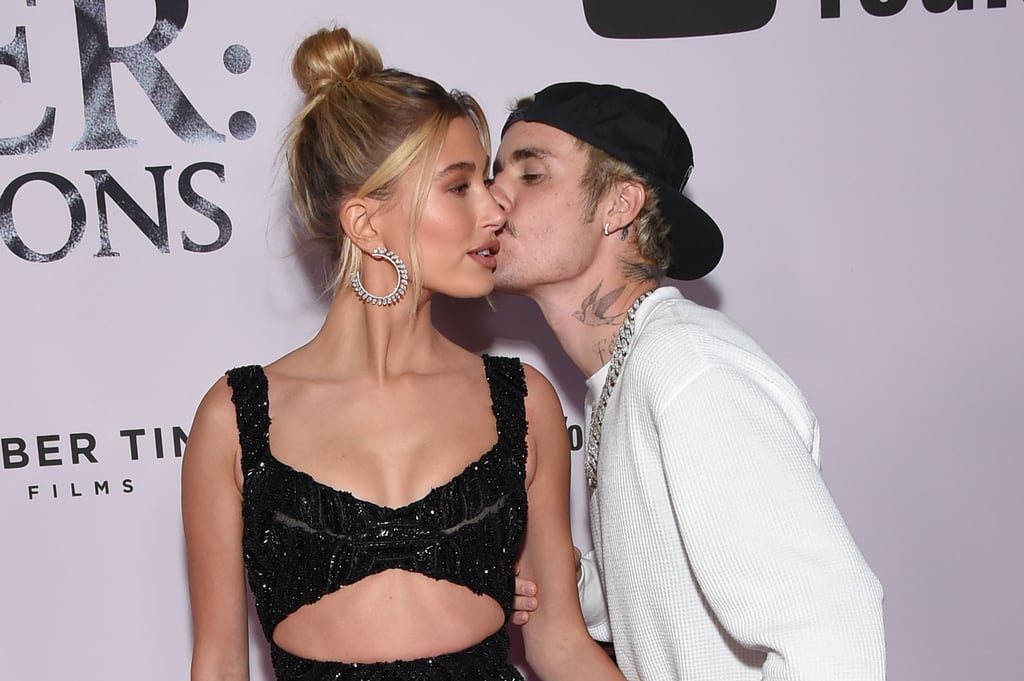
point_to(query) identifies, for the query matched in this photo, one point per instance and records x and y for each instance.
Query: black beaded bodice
(303, 540)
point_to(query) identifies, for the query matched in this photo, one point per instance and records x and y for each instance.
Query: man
(720, 551)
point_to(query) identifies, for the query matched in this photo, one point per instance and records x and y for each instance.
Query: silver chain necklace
(621, 347)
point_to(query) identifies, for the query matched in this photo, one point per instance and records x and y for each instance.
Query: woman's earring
(605, 230)
(381, 253)
(624, 233)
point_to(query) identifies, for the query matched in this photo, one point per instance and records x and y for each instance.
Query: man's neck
(587, 319)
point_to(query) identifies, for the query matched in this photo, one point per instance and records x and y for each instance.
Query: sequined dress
(303, 540)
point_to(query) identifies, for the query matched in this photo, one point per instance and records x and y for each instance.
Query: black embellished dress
(303, 540)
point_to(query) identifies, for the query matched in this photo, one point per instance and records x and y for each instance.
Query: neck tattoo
(619, 350)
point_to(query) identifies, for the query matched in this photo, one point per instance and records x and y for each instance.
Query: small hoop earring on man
(623, 233)
(381, 253)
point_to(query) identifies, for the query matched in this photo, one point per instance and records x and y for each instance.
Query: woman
(378, 541)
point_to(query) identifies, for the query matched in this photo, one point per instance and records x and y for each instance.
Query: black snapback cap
(639, 130)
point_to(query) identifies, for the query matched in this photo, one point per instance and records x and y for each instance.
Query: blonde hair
(650, 230)
(362, 127)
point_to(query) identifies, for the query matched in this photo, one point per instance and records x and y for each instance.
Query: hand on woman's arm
(525, 600)
(558, 646)
(212, 514)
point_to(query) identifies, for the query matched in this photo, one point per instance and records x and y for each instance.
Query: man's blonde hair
(649, 228)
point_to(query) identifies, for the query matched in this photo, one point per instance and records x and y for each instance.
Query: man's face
(547, 240)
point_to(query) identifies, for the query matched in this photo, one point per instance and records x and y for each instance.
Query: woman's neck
(380, 342)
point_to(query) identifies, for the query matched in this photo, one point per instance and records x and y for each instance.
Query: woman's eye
(461, 188)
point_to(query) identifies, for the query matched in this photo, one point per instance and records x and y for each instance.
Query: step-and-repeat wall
(864, 158)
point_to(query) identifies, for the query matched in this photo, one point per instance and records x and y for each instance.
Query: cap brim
(695, 238)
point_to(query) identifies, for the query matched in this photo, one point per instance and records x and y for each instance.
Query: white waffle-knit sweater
(721, 552)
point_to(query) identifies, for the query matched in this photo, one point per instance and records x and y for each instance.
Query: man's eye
(531, 178)
(489, 182)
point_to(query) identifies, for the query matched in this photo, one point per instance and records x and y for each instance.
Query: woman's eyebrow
(468, 166)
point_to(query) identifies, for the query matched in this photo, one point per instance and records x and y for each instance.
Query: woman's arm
(591, 593)
(211, 506)
(558, 646)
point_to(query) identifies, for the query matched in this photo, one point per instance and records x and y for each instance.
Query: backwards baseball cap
(639, 130)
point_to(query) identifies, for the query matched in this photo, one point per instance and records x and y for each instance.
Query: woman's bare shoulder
(540, 393)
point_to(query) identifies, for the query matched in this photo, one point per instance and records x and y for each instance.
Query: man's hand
(525, 600)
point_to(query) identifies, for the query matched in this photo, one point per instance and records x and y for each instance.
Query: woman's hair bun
(330, 57)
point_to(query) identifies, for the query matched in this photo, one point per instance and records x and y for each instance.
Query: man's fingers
(525, 587)
(524, 604)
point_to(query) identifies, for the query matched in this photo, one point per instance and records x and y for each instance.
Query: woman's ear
(625, 200)
(356, 217)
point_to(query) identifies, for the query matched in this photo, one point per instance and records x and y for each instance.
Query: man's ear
(356, 217)
(625, 200)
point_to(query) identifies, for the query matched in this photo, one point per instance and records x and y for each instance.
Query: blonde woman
(372, 485)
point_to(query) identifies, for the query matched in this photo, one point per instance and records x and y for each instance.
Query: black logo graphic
(675, 18)
(830, 9)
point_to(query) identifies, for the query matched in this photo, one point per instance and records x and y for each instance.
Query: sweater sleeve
(592, 603)
(769, 549)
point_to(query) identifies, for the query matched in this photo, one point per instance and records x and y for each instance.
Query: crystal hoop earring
(381, 253)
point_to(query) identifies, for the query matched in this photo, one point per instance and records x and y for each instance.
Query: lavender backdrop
(863, 159)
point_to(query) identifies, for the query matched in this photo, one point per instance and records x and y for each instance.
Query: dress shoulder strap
(507, 383)
(505, 376)
(252, 412)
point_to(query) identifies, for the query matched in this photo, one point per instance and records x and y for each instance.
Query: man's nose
(502, 199)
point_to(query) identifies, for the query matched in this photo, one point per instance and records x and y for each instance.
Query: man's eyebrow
(467, 166)
(522, 154)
